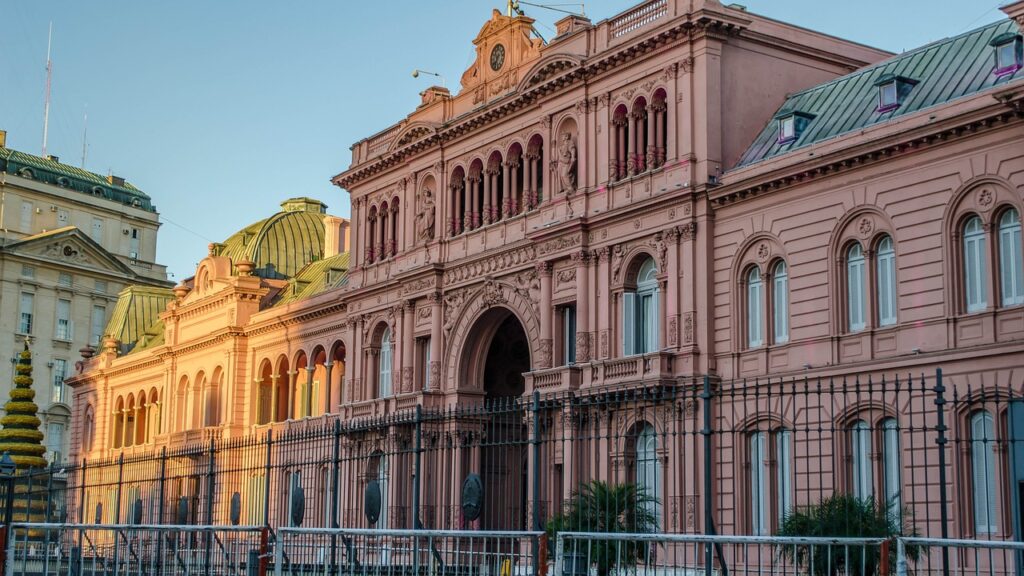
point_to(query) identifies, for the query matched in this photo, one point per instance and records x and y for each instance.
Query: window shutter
(628, 323)
(652, 325)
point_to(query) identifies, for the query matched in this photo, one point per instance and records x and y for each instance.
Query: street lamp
(416, 74)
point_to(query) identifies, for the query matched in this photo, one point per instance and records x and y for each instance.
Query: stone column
(620, 129)
(309, 389)
(473, 216)
(350, 393)
(408, 345)
(605, 305)
(515, 200)
(330, 390)
(435, 341)
(672, 298)
(274, 398)
(506, 191)
(531, 179)
(631, 167)
(293, 378)
(488, 190)
(582, 260)
(652, 140)
(544, 269)
(641, 141)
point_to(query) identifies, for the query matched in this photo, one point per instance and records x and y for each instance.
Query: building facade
(557, 256)
(71, 241)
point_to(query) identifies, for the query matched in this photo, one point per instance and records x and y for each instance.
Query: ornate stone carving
(492, 294)
(686, 64)
(688, 328)
(407, 379)
(582, 347)
(416, 285)
(865, 227)
(567, 163)
(604, 344)
(494, 264)
(985, 197)
(544, 354)
(618, 253)
(424, 313)
(673, 331)
(566, 275)
(688, 231)
(661, 249)
(452, 302)
(66, 252)
(763, 252)
(559, 244)
(435, 374)
(425, 216)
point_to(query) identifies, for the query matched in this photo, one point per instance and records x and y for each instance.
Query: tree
(846, 516)
(598, 507)
(20, 433)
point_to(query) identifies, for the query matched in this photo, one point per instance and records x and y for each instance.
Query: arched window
(855, 287)
(88, 429)
(384, 383)
(640, 312)
(860, 455)
(886, 289)
(762, 504)
(983, 472)
(754, 311)
(780, 303)
(891, 463)
(1011, 275)
(974, 265)
(648, 472)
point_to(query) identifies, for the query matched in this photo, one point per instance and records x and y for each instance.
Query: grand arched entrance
(499, 356)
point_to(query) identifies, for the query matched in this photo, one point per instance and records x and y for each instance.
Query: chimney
(1015, 10)
(3, 138)
(53, 158)
(570, 24)
(335, 236)
(115, 180)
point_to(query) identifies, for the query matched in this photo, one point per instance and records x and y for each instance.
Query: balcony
(647, 369)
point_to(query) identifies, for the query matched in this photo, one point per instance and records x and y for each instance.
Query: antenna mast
(49, 75)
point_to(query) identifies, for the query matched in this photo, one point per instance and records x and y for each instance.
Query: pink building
(599, 221)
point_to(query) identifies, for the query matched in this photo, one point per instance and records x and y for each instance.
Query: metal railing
(111, 550)
(308, 551)
(655, 554)
(950, 556)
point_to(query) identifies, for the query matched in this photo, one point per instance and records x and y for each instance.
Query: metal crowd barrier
(655, 554)
(366, 552)
(39, 549)
(954, 557)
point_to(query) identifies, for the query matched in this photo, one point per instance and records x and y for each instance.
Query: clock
(497, 57)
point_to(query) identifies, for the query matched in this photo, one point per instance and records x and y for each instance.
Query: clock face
(497, 57)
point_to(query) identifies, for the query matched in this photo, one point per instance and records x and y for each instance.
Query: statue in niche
(567, 163)
(425, 217)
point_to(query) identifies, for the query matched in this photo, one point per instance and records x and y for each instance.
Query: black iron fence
(690, 457)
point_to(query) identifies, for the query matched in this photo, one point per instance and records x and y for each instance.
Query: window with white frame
(780, 303)
(55, 441)
(28, 271)
(763, 505)
(974, 265)
(754, 311)
(1008, 52)
(25, 309)
(62, 330)
(855, 297)
(60, 371)
(65, 280)
(97, 323)
(648, 472)
(568, 314)
(384, 373)
(860, 456)
(640, 312)
(1011, 274)
(886, 280)
(891, 464)
(983, 472)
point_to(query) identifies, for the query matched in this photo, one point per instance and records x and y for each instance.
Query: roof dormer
(892, 91)
(792, 124)
(1008, 53)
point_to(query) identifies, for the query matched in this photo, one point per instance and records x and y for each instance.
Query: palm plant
(846, 516)
(599, 507)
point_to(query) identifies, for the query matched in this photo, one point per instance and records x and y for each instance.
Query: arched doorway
(495, 365)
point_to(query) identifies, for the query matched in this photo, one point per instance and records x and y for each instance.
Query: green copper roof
(137, 310)
(315, 278)
(944, 71)
(65, 176)
(282, 244)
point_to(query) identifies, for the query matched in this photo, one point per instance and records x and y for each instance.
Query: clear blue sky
(221, 109)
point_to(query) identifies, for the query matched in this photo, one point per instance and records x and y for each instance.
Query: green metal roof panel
(70, 177)
(944, 70)
(315, 278)
(280, 245)
(137, 311)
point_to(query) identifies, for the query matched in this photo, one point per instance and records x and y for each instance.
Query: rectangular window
(1011, 272)
(28, 271)
(26, 306)
(860, 452)
(568, 314)
(974, 271)
(63, 327)
(60, 371)
(983, 472)
(97, 230)
(648, 315)
(754, 312)
(26, 217)
(787, 129)
(133, 251)
(887, 99)
(758, 484)
(65, 280)
(423, 362)
(101, 286)
(886, 288)
(784, 457)
(55, 441)
(97, 322)
(891, 460)
(855, 285)
(780, 306)
(629, 323)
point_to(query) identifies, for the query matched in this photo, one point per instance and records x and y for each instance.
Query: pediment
(497, 74)
(69, 246)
